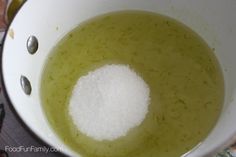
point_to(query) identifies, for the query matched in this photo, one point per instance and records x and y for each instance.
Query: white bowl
(50, 20)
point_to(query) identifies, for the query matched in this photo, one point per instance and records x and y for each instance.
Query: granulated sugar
(106, 103)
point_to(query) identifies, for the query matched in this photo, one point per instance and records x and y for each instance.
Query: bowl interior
(50, 20)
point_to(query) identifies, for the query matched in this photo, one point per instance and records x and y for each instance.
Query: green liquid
(186, 84)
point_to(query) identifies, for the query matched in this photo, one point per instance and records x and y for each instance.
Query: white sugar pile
(108, 102)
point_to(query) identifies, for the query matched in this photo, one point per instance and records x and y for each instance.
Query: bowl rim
(223, 145)
(26, 126)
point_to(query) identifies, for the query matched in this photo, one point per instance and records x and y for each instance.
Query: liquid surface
(185, 81)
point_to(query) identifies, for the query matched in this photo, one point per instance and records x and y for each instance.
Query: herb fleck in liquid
(184, 77)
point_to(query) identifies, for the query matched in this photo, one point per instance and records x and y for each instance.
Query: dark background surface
(14, 133)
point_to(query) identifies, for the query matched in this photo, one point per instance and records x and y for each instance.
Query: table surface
(14, 133)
